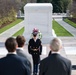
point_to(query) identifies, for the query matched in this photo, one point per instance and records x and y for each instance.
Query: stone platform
(68, 50)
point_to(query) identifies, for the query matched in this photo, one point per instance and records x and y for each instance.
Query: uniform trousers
(36, 60)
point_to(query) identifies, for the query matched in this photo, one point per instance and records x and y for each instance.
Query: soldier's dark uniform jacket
(35, 49)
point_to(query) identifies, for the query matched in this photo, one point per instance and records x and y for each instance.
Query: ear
(16, 46)
(61, 47)
(50, 47)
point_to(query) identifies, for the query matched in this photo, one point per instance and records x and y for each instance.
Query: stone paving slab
(65, 40)
(70, 50)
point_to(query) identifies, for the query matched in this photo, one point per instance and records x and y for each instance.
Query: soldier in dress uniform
(35, 49)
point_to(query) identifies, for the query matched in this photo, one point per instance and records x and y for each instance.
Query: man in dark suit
(20, 51)
(55, 64)
(12, 64)
(35, 49)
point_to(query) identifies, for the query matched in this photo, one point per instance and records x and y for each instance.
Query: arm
(27, 66)
(29, 47)
(69, 71)
(40, 48)
(41, 69)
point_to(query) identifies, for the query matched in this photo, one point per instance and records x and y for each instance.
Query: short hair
(56, 44)
(11, 44)
(20, 40)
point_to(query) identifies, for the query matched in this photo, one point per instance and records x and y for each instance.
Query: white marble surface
(38, 15)
(44, 50)
(3, 51)
(70, 50)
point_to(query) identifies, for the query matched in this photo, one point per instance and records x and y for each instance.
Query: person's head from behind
(20, 40)
(11, 44)
(56, 44)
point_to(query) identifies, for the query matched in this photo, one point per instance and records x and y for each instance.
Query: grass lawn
(70, 22)
(20, 32)
(10, 25)
(59, 30)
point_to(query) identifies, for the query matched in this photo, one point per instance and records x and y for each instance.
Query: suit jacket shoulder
(58, 57)
(55, 64)
(66, 61)
(14, 62)
(23, 55)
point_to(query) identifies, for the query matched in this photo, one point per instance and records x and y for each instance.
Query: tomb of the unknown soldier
(39, 15)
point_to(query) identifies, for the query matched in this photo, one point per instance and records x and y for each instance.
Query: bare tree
(7, 5)
(8, 9)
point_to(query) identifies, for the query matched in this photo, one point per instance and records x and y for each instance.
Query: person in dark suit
(35, 49)
(20, 51)
(12, 64)
(55, 64)
(49, 53)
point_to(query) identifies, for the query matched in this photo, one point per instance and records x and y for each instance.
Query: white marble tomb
(39, 15)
